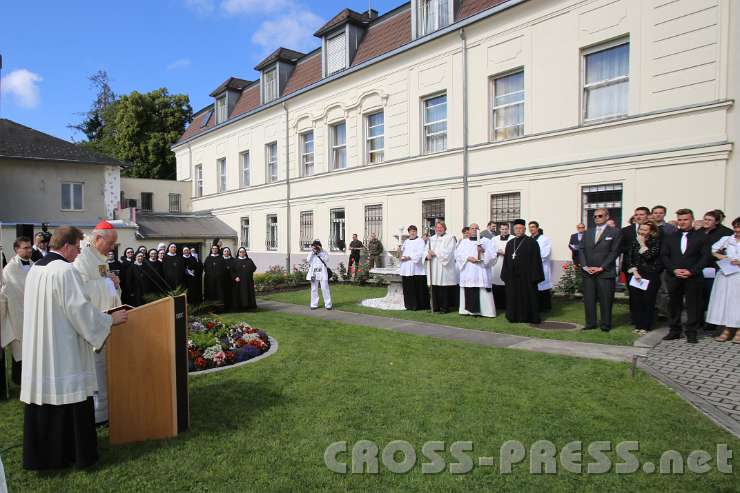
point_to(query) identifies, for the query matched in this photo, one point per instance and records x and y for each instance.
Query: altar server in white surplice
(11, 303)
(499, 286)
(474, 257)
(413, 275)
(102, 287)
(61, 328)
(544, 288)
(442, 273)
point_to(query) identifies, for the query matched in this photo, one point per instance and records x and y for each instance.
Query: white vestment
(11, 306)
(60, 329)
(476, 274)
(442, 270)
(91, 265)
(545, 249)
(500, 246)
(319, 276)
(416, 249)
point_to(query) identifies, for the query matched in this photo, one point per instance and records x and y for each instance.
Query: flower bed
(214, 344)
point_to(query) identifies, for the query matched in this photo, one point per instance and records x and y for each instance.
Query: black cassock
(214, 275)
(136, 284)
(194, 282)
(244, 295)
(173, 267)
(125, 290)
(155, 278)
(522, 271)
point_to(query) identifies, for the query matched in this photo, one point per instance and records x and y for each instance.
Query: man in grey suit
(597, 253)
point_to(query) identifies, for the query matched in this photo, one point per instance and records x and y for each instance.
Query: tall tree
(95, 118)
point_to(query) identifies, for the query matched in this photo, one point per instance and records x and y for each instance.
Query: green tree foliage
(137, 128)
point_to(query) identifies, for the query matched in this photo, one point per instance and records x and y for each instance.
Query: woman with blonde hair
(724, 308)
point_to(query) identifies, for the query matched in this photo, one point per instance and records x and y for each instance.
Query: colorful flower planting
(213, 344)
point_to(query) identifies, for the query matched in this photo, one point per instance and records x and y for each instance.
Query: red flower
(210, 325)
(200, 362)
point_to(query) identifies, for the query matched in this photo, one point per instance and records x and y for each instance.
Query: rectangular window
(72, 196)
(131, 203)
(336, 54)
(307, 153)
(270, 81)
(245, 233)
(246, 171)
(221, 166)
(175, 203)
(431, 212)
(508, 106)
(373, 221)
(306, 231)
(608, 196)
(206, 119)
(338, 134)
(506, 207)
(122, 200)
(336, 233)
(606, 82)
(433, 15)
(221, 110)
(198, 180)
(271, 241)
(375, 137)
(272, 162)
(435, 124)
(147, 199)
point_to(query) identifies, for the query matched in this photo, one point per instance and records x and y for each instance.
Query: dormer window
(432, 15)
(270, 85)
(336, 53)
(221, 111)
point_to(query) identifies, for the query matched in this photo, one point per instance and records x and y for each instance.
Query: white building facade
(474, 111)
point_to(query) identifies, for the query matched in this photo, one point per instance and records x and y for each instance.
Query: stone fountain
(391, 275)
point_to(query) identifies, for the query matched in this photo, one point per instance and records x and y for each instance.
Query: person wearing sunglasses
(599, 249)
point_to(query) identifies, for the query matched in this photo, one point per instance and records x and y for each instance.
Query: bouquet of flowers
(212, 343)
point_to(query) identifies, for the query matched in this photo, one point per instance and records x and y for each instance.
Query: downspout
(287, 187)
(464, 48)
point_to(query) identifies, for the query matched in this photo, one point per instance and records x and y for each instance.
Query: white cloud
(202, 7)
(180, 63)
(293, 30)
(234, 7)
(22, 85)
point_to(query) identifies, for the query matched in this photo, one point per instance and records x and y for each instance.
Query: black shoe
(314, 308)
(329, 308)
(672, 336)
(692, 339)
(589, 328)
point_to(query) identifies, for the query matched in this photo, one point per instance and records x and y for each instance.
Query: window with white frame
(221, 167)
(245, 233)
(432, 211)
(271, 241)
(435, 124)
(307, 153)
(270, 85)
(175, 206)
(221, 110)
(432, 15)
(272, 161)
(72, 194)
(147, 201)
(336, 233)
(606, 81)
(607, 196)
(198, 180)
(373, 221)
(338, 145)
(374, 137)
(336, 53)
(506, 207)
(508, 106)
(245, 177)
(306, 230)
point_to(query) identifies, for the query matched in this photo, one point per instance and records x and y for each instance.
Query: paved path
(552, 346)
(706, 374)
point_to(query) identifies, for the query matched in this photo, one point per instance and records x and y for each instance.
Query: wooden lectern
(148, 373)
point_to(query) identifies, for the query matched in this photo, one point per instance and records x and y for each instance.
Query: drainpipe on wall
(464, 48)
(287, 187)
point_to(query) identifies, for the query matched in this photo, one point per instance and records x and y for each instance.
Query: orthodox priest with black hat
(521, 272)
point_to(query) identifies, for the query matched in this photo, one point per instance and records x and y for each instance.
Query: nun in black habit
(243, 274)
(214, 274)
(193, 277)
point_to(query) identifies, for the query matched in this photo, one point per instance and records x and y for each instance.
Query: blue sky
(49, 48)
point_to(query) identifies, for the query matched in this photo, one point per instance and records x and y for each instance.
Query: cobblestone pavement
(706, 374)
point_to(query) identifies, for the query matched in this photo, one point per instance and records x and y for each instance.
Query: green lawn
(348, 297)
(264, 427)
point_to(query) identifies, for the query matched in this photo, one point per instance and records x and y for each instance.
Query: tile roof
(472, 7)
(230, 83)
(346, 15)
(280, 54)
(386, 35)
(19, 141)
(306, 72)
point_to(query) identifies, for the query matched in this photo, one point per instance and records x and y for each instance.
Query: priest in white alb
(474, 257)
(102, 287)
(413, 275)
(11, 303)
(61, 328)
(442, 270)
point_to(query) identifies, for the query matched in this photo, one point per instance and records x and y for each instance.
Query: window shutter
(335, 54)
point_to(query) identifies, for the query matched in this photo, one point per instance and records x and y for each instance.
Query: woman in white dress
(724, 304)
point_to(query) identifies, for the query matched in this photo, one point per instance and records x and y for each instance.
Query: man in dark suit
(684, 254)
(575, 241)
(598, 252)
